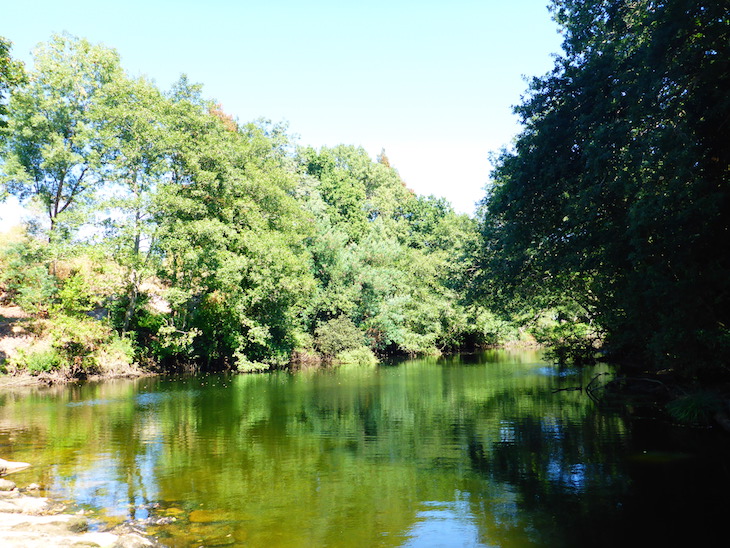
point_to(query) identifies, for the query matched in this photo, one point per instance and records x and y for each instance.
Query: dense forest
(170, 234)
(173, 235)
(613, 205)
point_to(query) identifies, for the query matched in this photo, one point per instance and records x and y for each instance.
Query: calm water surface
(479, 451)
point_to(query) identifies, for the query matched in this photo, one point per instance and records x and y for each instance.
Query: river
(481, 450)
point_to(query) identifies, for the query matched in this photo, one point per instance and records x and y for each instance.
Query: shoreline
(29, 520)
(26, 380)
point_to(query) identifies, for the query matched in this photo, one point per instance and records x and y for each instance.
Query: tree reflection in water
(423, 453)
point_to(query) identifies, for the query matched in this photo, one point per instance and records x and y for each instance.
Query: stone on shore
(28, 521)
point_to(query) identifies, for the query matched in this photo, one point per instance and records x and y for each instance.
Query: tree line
(604, 226)
(209, 241)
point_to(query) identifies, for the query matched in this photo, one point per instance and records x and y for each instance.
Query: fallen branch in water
(568, 389)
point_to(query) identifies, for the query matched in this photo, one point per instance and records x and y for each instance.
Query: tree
(54, 151)
(133, 127)
(391, 262)
(230, 233)
(615, 196)
(12, 75)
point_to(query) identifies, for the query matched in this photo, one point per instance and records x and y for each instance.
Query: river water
(475, 451)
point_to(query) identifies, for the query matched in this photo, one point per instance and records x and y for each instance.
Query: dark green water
(480, 452)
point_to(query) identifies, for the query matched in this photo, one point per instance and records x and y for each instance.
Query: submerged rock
(204, 516)
(28, 521)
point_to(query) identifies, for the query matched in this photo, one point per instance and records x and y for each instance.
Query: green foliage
(694, 409)
(17, 260)
(41, 361)
(75, 296)
(362, 356)
(36, 291)
(232, 235)
(12, 74)
(122, 347)
(223, 246)
(244, 365)
(55, 152)
(78, 341)
(338, 335)
(569, 338)
(615, 196)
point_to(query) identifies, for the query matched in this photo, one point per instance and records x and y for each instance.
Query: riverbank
(29, 520)
(26, 344)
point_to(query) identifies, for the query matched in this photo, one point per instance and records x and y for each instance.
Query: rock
(9, 507)
(8, 466)
(77, 525)
(6, 485)
(25, 530)
(24, 505)
(204, 516)
(34, 487)
(132, 540)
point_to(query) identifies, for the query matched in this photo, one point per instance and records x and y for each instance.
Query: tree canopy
(615, 195)
(215, 242)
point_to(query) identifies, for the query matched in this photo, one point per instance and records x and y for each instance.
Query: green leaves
(12, 74)
(614, 197)
(227, 246)
(54, 152)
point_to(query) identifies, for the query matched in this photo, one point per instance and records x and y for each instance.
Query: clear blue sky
(430, 82)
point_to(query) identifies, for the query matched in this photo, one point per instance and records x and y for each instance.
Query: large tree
(54, 151)
(615, 195)
(230, 232)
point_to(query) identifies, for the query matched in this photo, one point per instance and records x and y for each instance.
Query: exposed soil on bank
(13, 333)
(19, 332)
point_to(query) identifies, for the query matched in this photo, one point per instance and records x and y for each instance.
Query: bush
(244, 365)
(78, 341)
(75, 296)
(337, 335)
(698, 408)
(357, 356)
(569, 340)
(36, 291)
(41, 361)
(24, 273)
(117, 356)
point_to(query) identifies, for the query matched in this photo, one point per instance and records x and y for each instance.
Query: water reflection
(422, 453)
(447, 523)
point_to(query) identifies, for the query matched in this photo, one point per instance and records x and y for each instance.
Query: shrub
(697, 408)
(77, 341)
(117, 356)
(569, 340)
(41, 361)
(75, 296)
(337, 335)
(357, 356)
(36, 291)
(244, 365)
(24, 273)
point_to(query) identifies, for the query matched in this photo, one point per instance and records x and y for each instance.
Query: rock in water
(8, 466)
